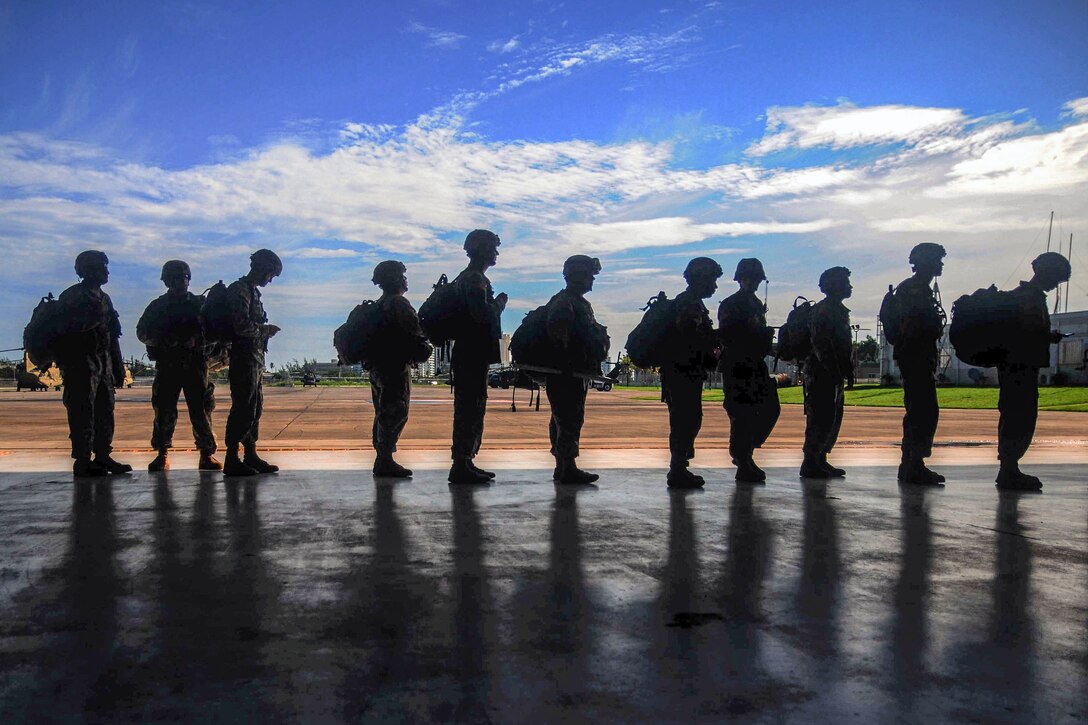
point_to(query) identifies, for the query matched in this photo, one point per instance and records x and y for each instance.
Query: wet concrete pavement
(323, 595)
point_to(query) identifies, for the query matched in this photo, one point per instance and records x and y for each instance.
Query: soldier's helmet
(388, 273)
(702, 268)
(749, 268)
(175, 268)
(86, 260)
(1052, 265)
(266, 259)
(833, 275)
(481, 239)
(581, 263)
(926, 252)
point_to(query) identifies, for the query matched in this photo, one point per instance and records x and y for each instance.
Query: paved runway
(321, 594)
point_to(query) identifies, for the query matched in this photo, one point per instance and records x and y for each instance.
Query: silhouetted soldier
(399, 342)
(1018, 376)
(828, 366)
(249, 342)
(751, 397)
(691, 345)
(170, 327)
(581, 344)
(921, 324)
(91, 365)
(476, 347)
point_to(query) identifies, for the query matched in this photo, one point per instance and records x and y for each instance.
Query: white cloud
(320, 253)
(846, 126)
(675, 231)
(1077, 107)
(437, 38)
(508, 46)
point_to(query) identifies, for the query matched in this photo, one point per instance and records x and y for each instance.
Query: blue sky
(341, 134)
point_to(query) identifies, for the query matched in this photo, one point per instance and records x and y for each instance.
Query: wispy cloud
(436, 37)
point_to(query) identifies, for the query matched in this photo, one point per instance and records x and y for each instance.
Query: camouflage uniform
(921, 327)
(402, 343)
(751, 399)
(826, 369)
(170, 327)
(574, 331)
(91, 365)
(249, 342)
(1018, 376)
(476, 347)
(693, 340)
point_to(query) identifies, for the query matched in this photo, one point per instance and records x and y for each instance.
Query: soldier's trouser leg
(164, 401)
(391, 393)
(921, 409)
(200, 400)
(684, 397)
(751, 402)
(469, 406)
(1018, 405)
(823, 410)
(88, 401)
(246, 403)
(567, 399)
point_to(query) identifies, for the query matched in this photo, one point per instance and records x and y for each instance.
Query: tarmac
(322, 594)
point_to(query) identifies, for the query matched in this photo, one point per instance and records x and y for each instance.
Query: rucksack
(794, 338)
(440, 315)
(647, 345)
(215, 314)
(354, 339)
(984, 326)
(529, 344)
(42, 336)
(891, 316)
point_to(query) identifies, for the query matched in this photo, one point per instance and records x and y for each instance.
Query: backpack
(891, 316)
(529, 345)
(984, 326)
(440, 315)
(354, 339)
(42, 336)
(647, 345)
(215, 314)
(794, 338)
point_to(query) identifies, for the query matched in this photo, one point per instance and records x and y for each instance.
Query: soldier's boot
(257, 463)
(748, 471)
(385, 466)
(208, 463)
(571, 474)
(233, 466)
(913, 471)
(476, 468)
(86, 468)
(556, 473)
(812, 468)
(462, 473)
(1011, 478)
(682, 477)
(111, 465)
(161, 462)
(832, 471)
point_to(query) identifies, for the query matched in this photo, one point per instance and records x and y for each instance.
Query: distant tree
(868, 350)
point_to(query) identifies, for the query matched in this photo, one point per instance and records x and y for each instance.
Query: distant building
(1068, 357)
(504, 350)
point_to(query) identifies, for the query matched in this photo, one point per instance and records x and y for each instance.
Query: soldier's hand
(501, 299)
(271, 330)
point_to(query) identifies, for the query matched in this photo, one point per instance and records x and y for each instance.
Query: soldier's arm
(823, 340)
(244, 328)
(145, 327)
(560, 323)
(474, 288)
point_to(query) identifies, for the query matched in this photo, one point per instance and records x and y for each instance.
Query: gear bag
(794, 337)
(42, 337)
(354, 340)
(529, 344)
(647, 345)
(215, 314)
(891, 316)
(440, 315)
(984, 326)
